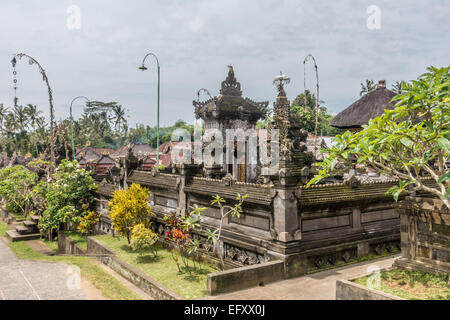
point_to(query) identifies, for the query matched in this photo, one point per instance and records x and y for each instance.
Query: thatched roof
(369, 106)
(139, 150)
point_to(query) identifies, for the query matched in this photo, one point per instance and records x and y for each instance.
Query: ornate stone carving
(379, 248)
(228, 180)
(332, 259)
(319, 262)
(231, 87)
(252, 258)
(389, 247)
(242, 256)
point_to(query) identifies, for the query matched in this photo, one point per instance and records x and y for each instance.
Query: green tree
(69, 195)
(129, 208)
(367, 87)
(307, 115)
(410, 142)
(225, 211)
(397, 87)
(3, 112)
(16, 184)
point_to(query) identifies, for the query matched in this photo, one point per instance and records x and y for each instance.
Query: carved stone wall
(425, 234)
(313, 230)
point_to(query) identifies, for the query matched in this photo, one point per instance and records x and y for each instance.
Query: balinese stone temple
(305, 228)
(231, 111)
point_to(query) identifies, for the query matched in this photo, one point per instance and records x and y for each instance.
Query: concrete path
(36, 280)
(317, 286)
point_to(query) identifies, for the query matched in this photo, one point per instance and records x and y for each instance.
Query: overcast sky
(196, 40)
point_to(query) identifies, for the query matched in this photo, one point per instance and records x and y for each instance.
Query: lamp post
(71, 122)
(143, 68)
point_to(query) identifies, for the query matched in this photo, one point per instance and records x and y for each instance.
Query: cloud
(196, 40)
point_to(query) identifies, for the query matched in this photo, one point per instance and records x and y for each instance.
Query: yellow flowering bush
(88, 222)
(129, 208)
(143, 239)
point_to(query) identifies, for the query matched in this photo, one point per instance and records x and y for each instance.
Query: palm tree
(34, 115)
(119, 117)
(397, 87)
(35, 121)
(11, 127)
(3, 112)
(21, 117)
(367, 87)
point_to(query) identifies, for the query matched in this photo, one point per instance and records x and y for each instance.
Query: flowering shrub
(15, 188)
(143, 239)
(88, 222)
(68, 196)
(180, 231)
(128, 208)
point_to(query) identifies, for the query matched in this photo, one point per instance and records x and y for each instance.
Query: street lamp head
(143, 68)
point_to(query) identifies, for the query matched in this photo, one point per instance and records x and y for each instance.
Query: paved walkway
(36, 280)
(317, 286)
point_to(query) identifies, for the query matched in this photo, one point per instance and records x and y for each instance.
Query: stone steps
(23, 230)
(13, 235)
(32, 226)
(35, 218)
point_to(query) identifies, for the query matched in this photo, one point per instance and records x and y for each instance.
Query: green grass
(3, 229)
(341, 263)
(53, 245)
(412, 284)
(110, 287)
(78, 238)
(190, 284)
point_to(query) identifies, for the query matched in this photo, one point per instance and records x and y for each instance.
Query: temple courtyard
(39, 280)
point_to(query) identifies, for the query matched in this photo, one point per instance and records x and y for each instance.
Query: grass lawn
(111, 288)
(78, 238)
(162, 268)
(3, 229)
(412, 284)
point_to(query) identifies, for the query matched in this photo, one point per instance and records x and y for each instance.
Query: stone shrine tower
(294, 162)
(230, 110)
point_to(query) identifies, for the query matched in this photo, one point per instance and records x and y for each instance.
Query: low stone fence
(244, 277)
(135, 276)
(7, 217)
(95, 247)
(68, 246)
(348, 290)
(140, 279)
(4, 213)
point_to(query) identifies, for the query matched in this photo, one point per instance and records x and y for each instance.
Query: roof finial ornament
(231, 86)
(280, 81)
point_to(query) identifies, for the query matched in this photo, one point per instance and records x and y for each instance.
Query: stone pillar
(362, 249)
(186, 174)
(356, 218)
(286, 218)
